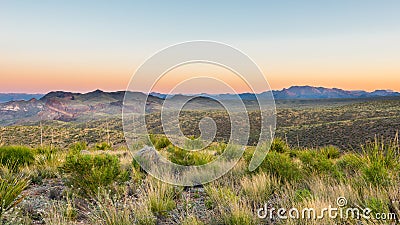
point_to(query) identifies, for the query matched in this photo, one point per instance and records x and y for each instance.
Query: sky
(81, 46)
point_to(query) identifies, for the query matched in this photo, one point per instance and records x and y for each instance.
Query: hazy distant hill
(68, 106)
(6, 97)
(307, 92)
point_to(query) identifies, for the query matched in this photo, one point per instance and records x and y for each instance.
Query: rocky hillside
(68, 106)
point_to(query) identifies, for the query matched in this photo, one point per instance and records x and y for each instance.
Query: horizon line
(155, 92)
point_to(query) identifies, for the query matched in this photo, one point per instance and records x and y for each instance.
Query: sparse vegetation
(109, 188)
(79, 176)
(16, 156)
(86, 173)
(11, 186)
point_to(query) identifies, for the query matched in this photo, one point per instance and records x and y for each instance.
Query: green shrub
(188, 158)
(232, 152)
(103, 146)
(282, 166)
(218, 148)
(293, 153)
(86, 173)
(278, 145)
(161, 142)
(238, 217)
(47, 153)
(302, 194)
(330, 152)
(376, 175)
(161, 197)
(11, 187)
(381, 162)
(386, 155)
(191, 220)
(16, 156)
(350, 164)
(77, 147)
(377, 205)
(193, 144)
(314, 161)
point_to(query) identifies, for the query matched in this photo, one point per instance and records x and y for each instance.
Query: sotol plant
(11, 186)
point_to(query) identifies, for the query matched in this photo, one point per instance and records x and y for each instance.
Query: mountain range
(68, 106)
(305, 92)
(6, 97)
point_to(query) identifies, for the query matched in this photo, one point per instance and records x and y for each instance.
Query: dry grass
(259, 187)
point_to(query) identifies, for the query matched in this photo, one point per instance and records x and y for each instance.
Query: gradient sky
(87, 45)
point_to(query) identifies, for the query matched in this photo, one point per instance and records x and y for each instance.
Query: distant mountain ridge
(69, 106)
(310, 92)
(305, 92)
(6, 97)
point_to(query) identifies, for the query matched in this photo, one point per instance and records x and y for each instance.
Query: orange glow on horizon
(43, 77)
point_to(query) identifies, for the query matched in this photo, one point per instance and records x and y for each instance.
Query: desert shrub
(330, 152)
(161, 142)
(386, 155)
(293, 153)
(193, 144)
(221, 196)
(160, 197)
(46, 151)
(248, 153)
(188, 158)
(232, 152)
(77, 147)
(278, 145)
(11, 186)
(231, 207)
(376, 175)
(16, 156)
(191, 220)
(47, 163)
(381, 162)
(377, 205)
(138, 174)
(282, 166)
(103, 146)
(259, 187)
(314, 161)
(238, 217)
(110, 210)
(302, 194)
(87, 173)
(218, 148)
(350, 164)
